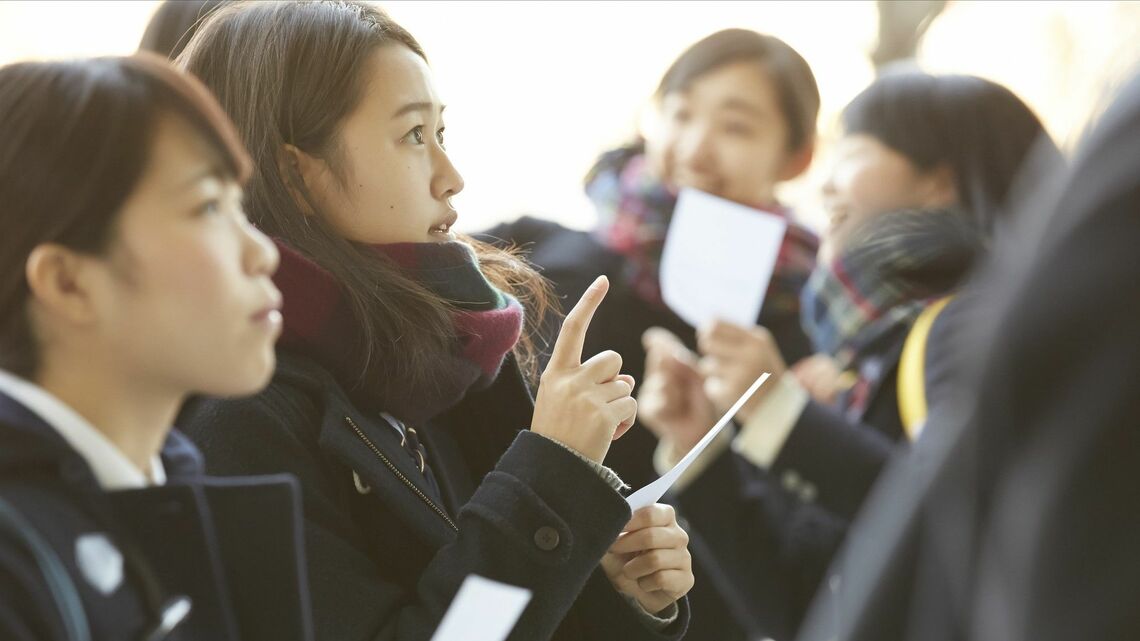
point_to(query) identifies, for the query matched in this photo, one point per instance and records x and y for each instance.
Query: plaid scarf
(320, 325)
(634, 211)
(859, 308)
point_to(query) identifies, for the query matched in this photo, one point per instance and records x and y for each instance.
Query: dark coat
(387, 554)
(772, 533)
(1015, 517)
(233, 546)
(571, 260)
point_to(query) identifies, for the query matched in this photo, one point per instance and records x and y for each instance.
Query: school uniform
(772, 500)
(1014, 517)
(92, 548)
(408, 489)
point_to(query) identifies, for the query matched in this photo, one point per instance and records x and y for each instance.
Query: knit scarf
(634, 212)
(319, 324)
(892, 266)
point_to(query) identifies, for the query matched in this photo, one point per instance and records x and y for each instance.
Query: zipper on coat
(400, 475)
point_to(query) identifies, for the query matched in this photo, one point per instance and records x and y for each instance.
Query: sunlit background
(537, 90)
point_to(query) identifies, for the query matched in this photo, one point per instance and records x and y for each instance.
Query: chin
(248, 377)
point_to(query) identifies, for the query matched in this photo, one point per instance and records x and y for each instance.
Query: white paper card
(483, 610)
(718, 259)
(653, 492)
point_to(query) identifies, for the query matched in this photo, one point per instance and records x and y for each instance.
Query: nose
(695, 149)
(446, 181)
(260, 256)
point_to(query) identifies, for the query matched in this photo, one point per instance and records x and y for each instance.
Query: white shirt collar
(111, 467)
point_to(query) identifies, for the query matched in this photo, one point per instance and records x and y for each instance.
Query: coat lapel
(371, 449)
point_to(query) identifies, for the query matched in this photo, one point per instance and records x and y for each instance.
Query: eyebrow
(736, 104)
(206, 171)
(417, 106)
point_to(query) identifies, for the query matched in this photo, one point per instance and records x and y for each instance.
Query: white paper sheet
(653, 492)
(718, 259)
(483, 610)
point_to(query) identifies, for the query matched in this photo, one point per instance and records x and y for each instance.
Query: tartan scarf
(634, 211)
(320, 325)
(859, 307)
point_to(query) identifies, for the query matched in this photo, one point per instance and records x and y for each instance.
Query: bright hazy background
(537, 90)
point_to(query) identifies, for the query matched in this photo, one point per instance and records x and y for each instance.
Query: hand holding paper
(653, 492)
(650, 560)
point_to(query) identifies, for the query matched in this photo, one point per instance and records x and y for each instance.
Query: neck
(132, 413)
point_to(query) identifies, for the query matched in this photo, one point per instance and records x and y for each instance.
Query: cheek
(187, 280)
(862, 187)
(660, 152)
(372, 197)
(749, 167)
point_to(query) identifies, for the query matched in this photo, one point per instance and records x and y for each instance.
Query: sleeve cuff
(763, 436)
(609, 476)
(664, 459)
(657, 622)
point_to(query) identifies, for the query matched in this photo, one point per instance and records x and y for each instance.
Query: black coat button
(546, 538)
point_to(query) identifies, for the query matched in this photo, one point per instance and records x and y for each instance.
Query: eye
(210, 207)
(738, 129)
(416, 135)
(681, 115)
(439, 137)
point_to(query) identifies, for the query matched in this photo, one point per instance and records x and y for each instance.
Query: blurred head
(916, 141)
(338, 107)
(173, 24)
(125, 244)
(737, 115)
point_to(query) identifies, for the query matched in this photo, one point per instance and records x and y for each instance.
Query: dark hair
(794, 82)
(290, 73)
(977, 128)
(78, 136)
(173, 24)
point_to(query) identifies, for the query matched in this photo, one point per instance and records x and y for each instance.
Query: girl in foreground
(130, 279)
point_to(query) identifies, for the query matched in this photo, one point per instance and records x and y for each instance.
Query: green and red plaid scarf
(320, 325)
(855, 308)
(634, 211)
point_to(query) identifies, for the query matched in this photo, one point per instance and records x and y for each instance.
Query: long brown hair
(78, 136)
(290, 73)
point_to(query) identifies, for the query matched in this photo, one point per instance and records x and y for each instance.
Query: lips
(270, 314)
(443, 226)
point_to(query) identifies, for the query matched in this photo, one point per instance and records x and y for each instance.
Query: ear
(941, 187)
(61, 284)
(300, 172)
(798, 161)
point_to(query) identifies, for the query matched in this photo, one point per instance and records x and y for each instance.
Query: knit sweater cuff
(659, 621)
(609, 476)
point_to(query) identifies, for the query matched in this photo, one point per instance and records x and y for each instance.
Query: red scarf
(320, 325)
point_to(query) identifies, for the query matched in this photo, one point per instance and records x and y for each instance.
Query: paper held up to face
(718, 259)
(483, 610)
(653, 492)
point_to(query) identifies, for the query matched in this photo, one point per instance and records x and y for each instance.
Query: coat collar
(484, 423)
(28, 444)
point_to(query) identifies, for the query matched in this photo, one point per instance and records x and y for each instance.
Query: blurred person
(919, 181)
(734, 115)
(131, 279)
(173, 25)
(1014, 517)
(398, 400)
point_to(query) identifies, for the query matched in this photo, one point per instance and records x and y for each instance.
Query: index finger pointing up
(568, 347)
